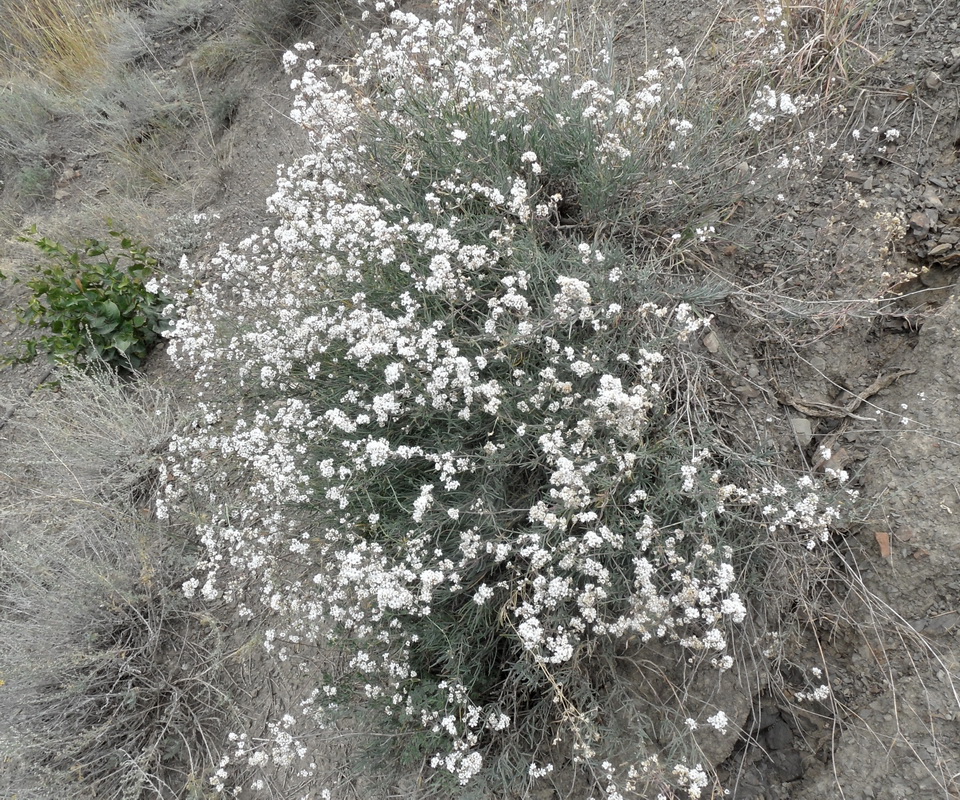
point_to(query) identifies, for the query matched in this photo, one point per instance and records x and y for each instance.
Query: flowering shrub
(448, 392)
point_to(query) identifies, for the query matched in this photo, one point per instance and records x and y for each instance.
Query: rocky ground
(863, 254)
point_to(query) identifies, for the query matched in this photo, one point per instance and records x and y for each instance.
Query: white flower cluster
(769, 30)
(769, 105)
(819, 693)
(804, 508)
(403, 410)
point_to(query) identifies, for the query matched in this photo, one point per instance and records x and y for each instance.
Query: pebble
(778, 736)
(802, 429)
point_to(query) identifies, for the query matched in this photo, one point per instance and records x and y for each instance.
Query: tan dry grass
(825, 38)
(117, 687)
(62, 40)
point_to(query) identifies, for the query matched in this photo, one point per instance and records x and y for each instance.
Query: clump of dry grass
(168, 17)
(141, 124)
(276, 26)
(118, 684)
(826, 41)
(26, 111)
(218, 57)
(63, 40)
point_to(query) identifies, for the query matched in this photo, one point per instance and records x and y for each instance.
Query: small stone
(802, 429)
(711, 342)
(61, 194)
(768, 715)
(923, 221)
(778, 736)
(933, 80)
(934, 278)
(788, 766)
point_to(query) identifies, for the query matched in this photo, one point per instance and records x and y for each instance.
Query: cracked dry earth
(873, 248)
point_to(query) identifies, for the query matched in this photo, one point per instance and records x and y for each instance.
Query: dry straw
(60, 40)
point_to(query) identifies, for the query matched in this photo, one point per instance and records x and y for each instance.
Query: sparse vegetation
(142, 124)
(118, 685)
(279, 25)
(26, 112)
(218, 58)
(826, 48)
(33, 183)
(167, 17)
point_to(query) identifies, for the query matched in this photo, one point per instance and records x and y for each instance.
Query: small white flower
(719, 721)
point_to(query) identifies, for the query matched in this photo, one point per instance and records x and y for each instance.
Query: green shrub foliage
(95, 303)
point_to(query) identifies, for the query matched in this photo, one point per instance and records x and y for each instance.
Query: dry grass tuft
(62, 40)
(117, 686)
(826, 41)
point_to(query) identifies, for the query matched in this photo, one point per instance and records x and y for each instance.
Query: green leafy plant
(95, 302)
